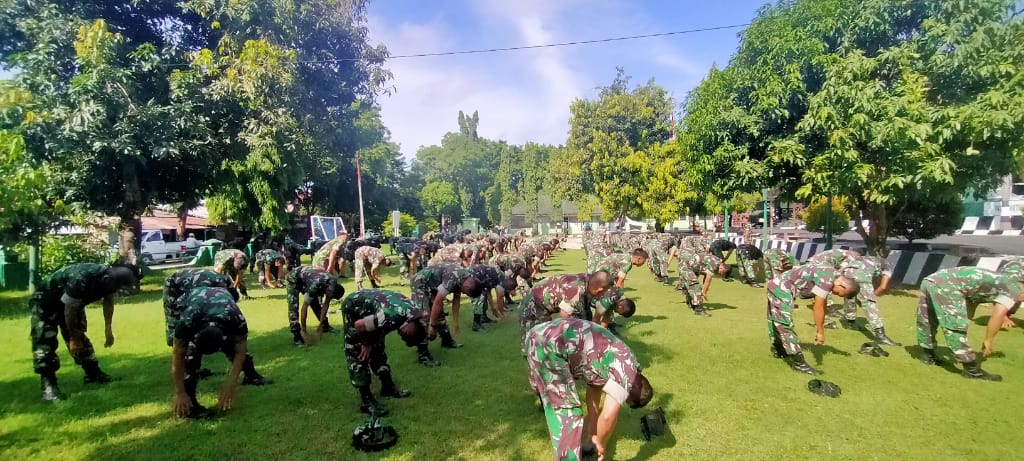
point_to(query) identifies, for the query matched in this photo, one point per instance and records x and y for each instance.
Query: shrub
(814, 217)
(61, 250)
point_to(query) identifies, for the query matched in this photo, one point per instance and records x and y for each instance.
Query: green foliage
(927, 219)
(429, 224)
(439, 198)
(60, 250)
(815, 216)
(28, 209)
(406, 225)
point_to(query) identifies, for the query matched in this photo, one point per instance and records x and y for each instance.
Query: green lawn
(725, 397)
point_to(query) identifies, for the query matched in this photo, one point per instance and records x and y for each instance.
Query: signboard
(396, 218)
(326, 227)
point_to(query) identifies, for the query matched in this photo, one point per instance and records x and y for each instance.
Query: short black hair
(625, 307)
(210, 339)
(640, 253)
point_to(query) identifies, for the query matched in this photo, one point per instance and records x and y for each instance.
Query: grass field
(724, 396)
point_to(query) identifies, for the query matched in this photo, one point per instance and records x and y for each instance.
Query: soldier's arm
(437, 307)
(883, 286)
(500, 296)
(227, 393)
(182, 402)
(708, 275)
(332, 263)
(995, 324)
(456, 297)
(819, 319)
(605, 420)
(108, 320)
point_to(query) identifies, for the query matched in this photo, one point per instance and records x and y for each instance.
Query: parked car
(155, 249)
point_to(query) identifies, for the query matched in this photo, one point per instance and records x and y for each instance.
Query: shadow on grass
(819, 352)
(946, 360)
(718, 306)
(641, 319)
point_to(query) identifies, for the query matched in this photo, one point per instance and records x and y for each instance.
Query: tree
(816, 217)
(27, 208)
(406, 225)
(919, 219)
(439, 198)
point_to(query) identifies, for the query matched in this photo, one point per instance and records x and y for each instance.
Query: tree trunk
(128, 239)
(182, 212)
(878, 236)
(130, 229)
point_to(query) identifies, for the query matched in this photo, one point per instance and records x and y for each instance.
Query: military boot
(93, 374)
(477, 324)
(972, 370)
(797, 363)
(699, 310)
(251, 376)
(778, 351)
(298, 341)
(754, 283)
(447, 341)
(485, 319)
(388, 387)
(928, 358)
(881, 338)
(425, 358)
(48, 384)
(369, 404)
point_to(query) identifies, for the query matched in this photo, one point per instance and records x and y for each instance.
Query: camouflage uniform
(323, 255)
(836, 259)
(560, 293)
(451, 254)
(314, 283)
(206, 306)
(617, 265)
(364, 255)
(224, 262)
(696, 243)
(73, 283)
(490, 278)
(946, 297)
(606, 303)
(690, 266)
(560, 351)
(265, 258)
(746, 255)
(178, 284)
(512, 265)
(382, 311)
(800, 282)
(864, 271)
(774, 262)
(720, 246)
(432, 279)
(293, 252)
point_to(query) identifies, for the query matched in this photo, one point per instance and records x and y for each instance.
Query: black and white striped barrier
(992, 225)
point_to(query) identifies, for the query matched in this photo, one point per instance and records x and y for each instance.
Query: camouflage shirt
(977, 285)
(268, 256)
(566, 293)
(323, 255)
(510, 264)
(381, 310)
(865, 269)
(490, 277)
(447, 277)
(563, 350)
(451, 254)
(224, 261)
(607, 301)
(806, 281)
(372, 255)
(720, 246)
(616, 264)
(314, 280)
(697, 243)
(699, 263)
(749, 252)
(187, 279)
(836, 259)
(79, 281)
(206, 306)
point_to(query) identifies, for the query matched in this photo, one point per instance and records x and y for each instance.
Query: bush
(926, 219)
(406, 225)
(429, 225)
(814, 217)
(61, 250)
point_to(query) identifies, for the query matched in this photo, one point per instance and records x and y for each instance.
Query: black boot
(850, 324)
(93, 374)
(251, 376)
(881, 338)
(699, 310)
(370, 405)
(425, 358)
(297, 340)
(447, 341)
(754, 283)
(928, 358)
(477, 326)
(778, 351)
(48, 384)
(972, 370)
(797, 363)
(485, 319)
(388, 387)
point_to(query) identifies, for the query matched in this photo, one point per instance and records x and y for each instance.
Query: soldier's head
(334, 290)
(639, 256)
(280, 262)
(640, 393)
(598, 283)
(845, 287)
(386, 261)
(210, 339)
(509, 284)
(123, 278)
(723, 269)
(471, 287)
(343, 237)
(787, 264)
(240, 261)
(414, 330)
(625, 307)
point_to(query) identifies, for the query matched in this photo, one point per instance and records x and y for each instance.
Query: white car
(156, 250)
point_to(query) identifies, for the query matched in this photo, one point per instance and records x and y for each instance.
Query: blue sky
(524, 95)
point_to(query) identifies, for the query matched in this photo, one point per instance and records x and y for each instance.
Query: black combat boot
(447, 341)
(388, 387)
(972, 370)
(797, 363)
(251, 376)
(754, 283)
(477, 324)
(197, 411)
(849, 324)
(928, 358)
(93, 374)
(369, 404)
(48, 384)
(484, 318)
(778, 351)
(425, 358)
(881, 338)
(699, 310)
(297, 340)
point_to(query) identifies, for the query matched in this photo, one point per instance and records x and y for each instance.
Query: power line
(532, 47)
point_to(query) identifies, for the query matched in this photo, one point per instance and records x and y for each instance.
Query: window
(154, 237)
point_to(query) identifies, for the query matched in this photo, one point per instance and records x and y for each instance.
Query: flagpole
(359, 185)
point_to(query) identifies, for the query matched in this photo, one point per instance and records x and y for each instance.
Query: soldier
(662, 249)
(619, 264)
(864, 271)
(722, 248)
(514, 267)
(271, 266)
(837, 259)
(569, 295)
(231, 262)
(320, 289)
(211, 322)
(777, 261)
(692, 265)
(697, 243)
(950, 297)
(369, 316)
(329, 257)
(452, 254)
(374, 257)
(429, 288)
(607, 305)
(802, 282)
(292, 252)
(746, 254)
(490, 278)
(58, 305)
(563, 349)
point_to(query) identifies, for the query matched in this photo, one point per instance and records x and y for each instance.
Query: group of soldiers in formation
(567, 321)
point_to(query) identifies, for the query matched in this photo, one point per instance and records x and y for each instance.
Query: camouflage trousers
(689, 282)
(404, 270)
(47, 322)
(194, 362)
(947, 308)
(780, 320)
(273, 272)
(530, 315)
(566, 428)
(172, 311)
(359, 372)
(293, 285)
(867, 303)
(359, 266)
(658, 262)
(748, 269)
